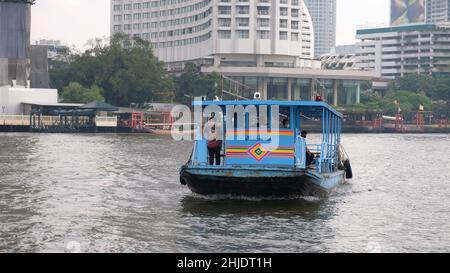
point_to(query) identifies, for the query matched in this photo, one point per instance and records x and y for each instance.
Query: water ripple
(120, 193)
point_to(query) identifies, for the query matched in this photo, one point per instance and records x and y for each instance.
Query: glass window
(301, 89)
(348, 92)
(263, 34)
(242, 34)
(327, 90)
(277, 89)
(224, 34)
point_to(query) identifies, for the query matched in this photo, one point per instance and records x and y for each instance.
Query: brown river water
(121, 193)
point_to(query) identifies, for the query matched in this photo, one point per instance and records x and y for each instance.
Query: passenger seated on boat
(309, 156)
(286, 124)
(214, 146)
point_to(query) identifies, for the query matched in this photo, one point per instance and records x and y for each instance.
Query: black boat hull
(299, 183)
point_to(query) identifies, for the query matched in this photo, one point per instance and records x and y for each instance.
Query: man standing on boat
(214, 144)
(309, 156)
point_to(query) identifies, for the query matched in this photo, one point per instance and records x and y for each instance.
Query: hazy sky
(76, 21)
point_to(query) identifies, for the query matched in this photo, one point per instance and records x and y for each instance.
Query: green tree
(59, 74)
(435, 92)
(76, 93)
(440, 108)
(441, 90)
(416, 83)
(369, 96)
(192, 83)
(125, 68)
(408, 102)
(59, 69)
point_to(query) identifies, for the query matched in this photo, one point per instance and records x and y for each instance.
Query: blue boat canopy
(261, 143)
(308, 107)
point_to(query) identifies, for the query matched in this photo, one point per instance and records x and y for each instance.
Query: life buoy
(348, 169)
(182, 178)
(183, 181)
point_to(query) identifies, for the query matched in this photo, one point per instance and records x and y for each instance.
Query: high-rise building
(24, 77)
(187, 30)
(15, 25)
(400, 50)
(438, 11)
(323, 14)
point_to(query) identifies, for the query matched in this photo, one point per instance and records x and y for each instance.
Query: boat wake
(218, 205)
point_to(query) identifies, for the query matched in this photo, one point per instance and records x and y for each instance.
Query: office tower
(400, 50)
(438, 11)
(323, 14)
(15, 25)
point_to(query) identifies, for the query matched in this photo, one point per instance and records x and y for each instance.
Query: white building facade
(396, 51)
(189, 30)
(12, 98)
(438, 11)
(323, 14)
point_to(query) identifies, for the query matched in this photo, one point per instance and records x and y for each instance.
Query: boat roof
(311, 107)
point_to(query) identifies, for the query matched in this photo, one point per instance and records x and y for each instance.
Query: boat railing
(316, 149)
(326, 162)
(326, 156)
(200, 148)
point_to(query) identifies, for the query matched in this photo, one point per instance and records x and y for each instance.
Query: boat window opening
(303, 115)
(285, 121)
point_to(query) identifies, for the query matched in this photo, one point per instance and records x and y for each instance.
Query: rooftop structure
(338, 61)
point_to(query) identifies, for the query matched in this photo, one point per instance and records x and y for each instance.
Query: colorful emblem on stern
(258, 152)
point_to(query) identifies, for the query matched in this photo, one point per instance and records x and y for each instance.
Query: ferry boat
(265, 160)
